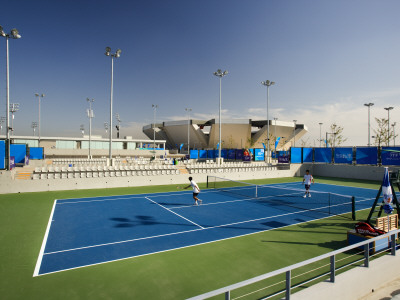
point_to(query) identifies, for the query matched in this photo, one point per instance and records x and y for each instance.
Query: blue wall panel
(2, 155)
(323, 155)
(367, 155)
(307, 155)
(203, 154)
(35, 153)
(19, 152)
(295, 155)
(390, 156)
(194, 154)
(343, 156)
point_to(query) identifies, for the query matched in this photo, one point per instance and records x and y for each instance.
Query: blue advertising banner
(194, 154)
(216, 153)
(390, 156)
(224, 153)
(259, 154)
(283, 157)
(323, 155)
(19, 153)
(295, 155)
(239, 154)
(307, 155)
(203, 154)
(343, 156)
(231, 153)
(367, 155)
(35, 153)
(210, 154)
(252, 152)
(2, 155)
(247, 158)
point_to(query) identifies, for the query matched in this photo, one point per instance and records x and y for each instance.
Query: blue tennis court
(88, 231)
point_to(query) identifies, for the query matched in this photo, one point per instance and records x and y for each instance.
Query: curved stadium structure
(236, 133)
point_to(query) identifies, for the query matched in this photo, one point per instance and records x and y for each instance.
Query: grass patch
(174, 274)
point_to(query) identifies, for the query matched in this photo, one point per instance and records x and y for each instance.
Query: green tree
(335, 137)
(381, 132)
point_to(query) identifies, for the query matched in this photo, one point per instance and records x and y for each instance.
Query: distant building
(236, 133)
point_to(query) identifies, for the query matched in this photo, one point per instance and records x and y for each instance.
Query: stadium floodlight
(154, 106)
(320, 134)
(116, 55)
(369, 122)
(2, 121)
(2, 33)
(39, 97)
(188, 111)
(90, 116)
(14, 107)
(268, 83)
(33, 126)
(15, 35)
(220, 74)
(388, 134)
(118, 127)
(82, 129)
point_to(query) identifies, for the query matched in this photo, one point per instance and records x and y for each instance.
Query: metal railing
(288, 270)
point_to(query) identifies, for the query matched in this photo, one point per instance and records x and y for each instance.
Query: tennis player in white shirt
(307, 179)
(196, 191)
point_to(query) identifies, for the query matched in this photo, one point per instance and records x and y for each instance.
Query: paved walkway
(380, 281)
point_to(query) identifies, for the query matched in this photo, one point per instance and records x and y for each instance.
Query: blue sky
(327, 58)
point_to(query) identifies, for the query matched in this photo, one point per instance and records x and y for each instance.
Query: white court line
(41, 252)
(128, 197)
(174, 212)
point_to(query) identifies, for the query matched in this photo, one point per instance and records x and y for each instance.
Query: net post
(256, 191)
(353, 208)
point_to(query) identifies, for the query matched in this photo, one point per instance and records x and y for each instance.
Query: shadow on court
(141, 221)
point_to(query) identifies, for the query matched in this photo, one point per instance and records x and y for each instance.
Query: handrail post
(366, 255)
(228, 295)
(288, 284)
(393, 236)
(333, 268)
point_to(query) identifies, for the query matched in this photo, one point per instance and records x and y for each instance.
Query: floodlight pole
(90, 116)
(188, 111)
(275, 119)
(154, 106)
(117, 54)
(388, 134)
(320, 131)
(39, 96)
(369, 122)
(268, 83)
(15, 35)
(294, 134)
(220, 74)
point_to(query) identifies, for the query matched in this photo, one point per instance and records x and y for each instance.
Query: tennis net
(323, 202)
